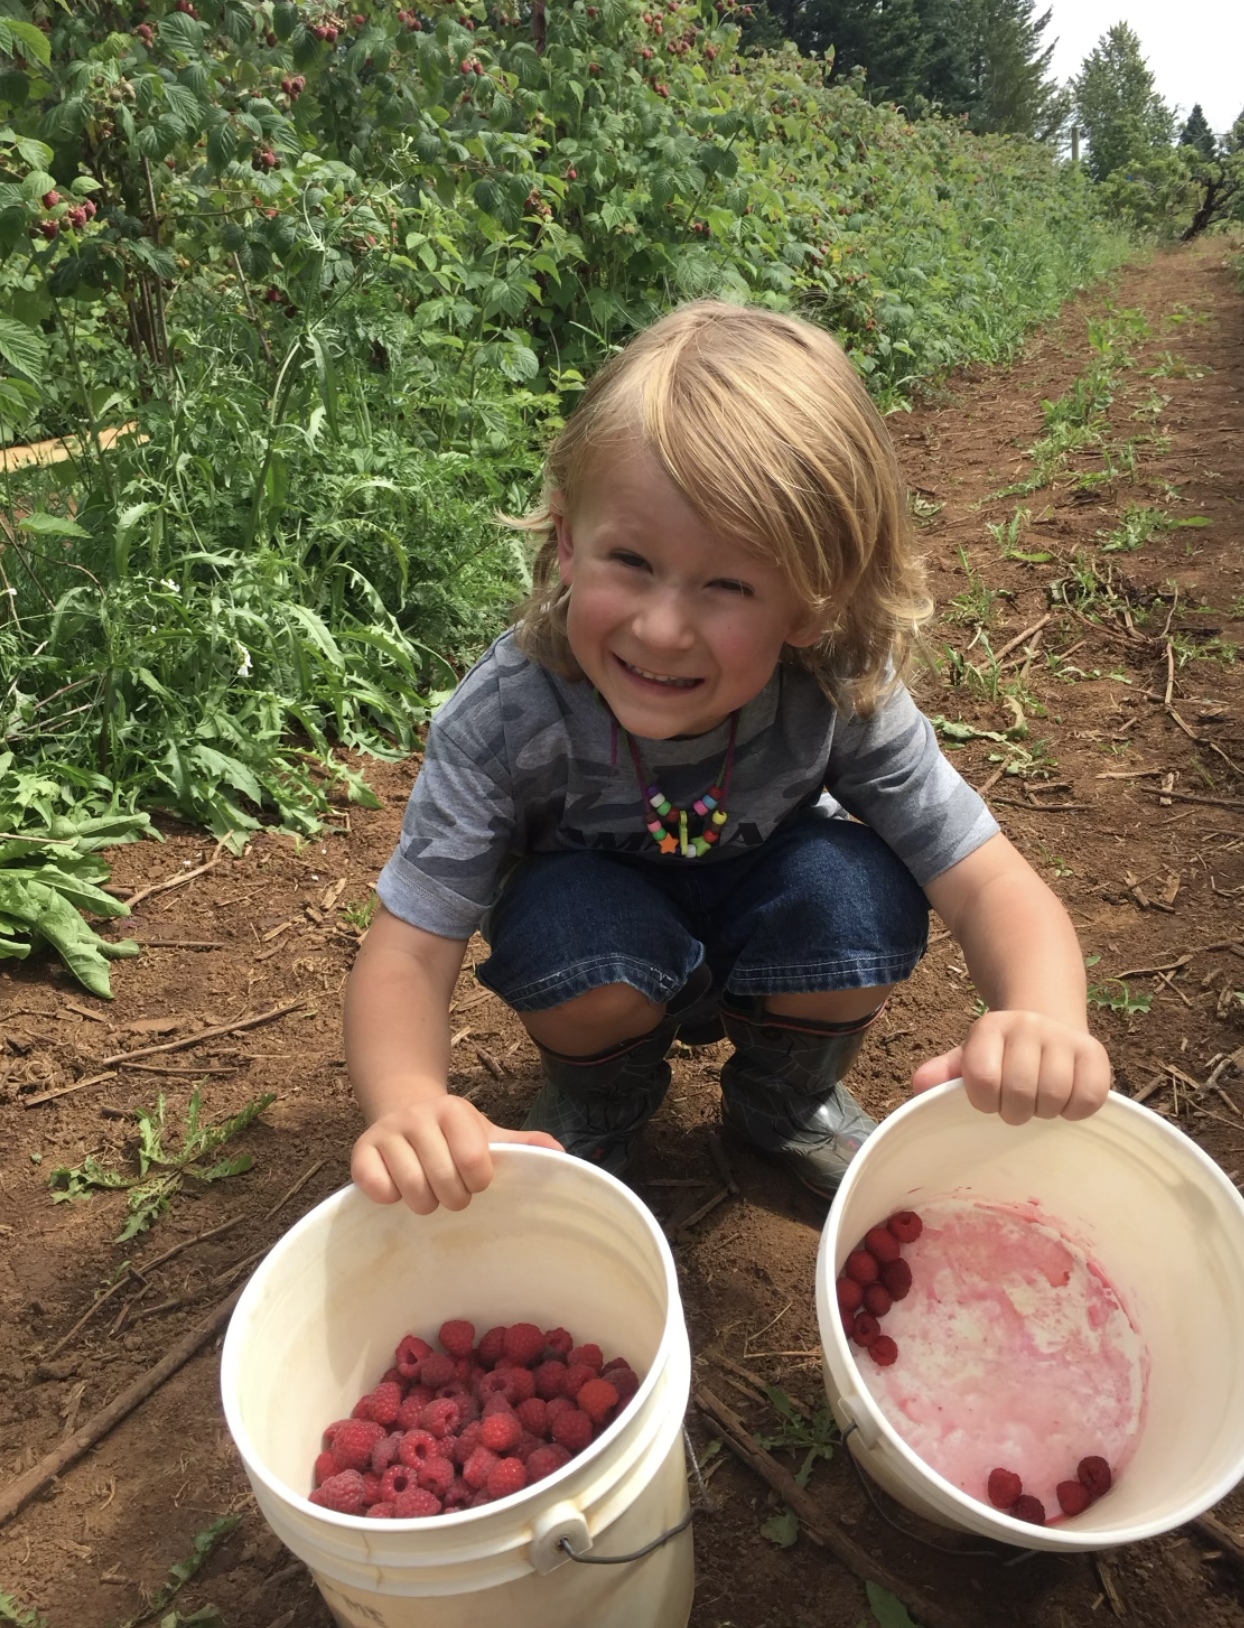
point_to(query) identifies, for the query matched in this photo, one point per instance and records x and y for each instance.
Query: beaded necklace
(676, 838)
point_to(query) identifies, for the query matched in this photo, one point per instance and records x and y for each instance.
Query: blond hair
(767, 430)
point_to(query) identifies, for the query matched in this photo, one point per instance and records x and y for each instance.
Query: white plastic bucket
(552, 1241)
(1166, 1228)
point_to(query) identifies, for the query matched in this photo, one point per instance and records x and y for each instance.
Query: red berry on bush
(51, 199)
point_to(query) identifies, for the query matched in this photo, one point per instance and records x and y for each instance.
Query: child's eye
(635, 562)
(731, 585)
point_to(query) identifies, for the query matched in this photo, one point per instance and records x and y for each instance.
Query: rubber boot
(782, 1092)
(597, 1106)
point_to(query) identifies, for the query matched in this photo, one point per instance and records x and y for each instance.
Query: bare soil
(1133, 810)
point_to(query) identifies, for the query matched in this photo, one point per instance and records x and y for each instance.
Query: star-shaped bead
(670, 845)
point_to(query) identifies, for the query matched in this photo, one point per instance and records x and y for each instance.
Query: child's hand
(431, 1152)
(1021, 1064)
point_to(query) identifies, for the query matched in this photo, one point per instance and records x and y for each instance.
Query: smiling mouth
(664, 679)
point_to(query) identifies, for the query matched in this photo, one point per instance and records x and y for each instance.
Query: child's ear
(565, 537)
(808, 632)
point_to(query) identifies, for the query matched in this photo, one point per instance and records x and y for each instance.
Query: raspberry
(494, 1402)
(598, 1399)
(479, 1467)
(625, 1381)
(458, 1337)
(1030, 1509)
(524, 1342)
(384, 1452)
(409, 1354)
(615, 1362)
(896, 1275)
(906, 1226)
(325, 1465)
(411, 1410)
(506, 1477)
(522, 1385)
(459, 1495)
(572, 1430)
(416, 1505)
(548, 1377)
(342, 1492)
(464, 1372)
(590, 1355)
(441, 1419)
(559, 1342)
(1092, 1473)
(1073, 1497)
(397, 1478)
(483, 1496)
(491, 1346)
(850, 1294)
(380, 1512)
(558, 1406)
(883, 1351)
(575, 1378)
(865, 1328)
(862, 1267)
(527, 1444)
(384, 1403)
(393, 1376)
(545, 1461)
(466, 1444)
(437, 1476)
(330, 1434)
(371, 1488)
(353, 1443)
(500, 1432)
(1004, 1488)
(878, 1299)
(418, 1445)
(436, 1370)
(533, 1415)
(881, 1244)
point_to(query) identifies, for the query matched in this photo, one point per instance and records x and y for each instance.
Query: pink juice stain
(1014, 1353)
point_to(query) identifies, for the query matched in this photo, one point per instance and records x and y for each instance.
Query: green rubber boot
(597, 1106)
(782, 1092)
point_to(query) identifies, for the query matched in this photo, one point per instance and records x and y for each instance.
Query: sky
(1194, 48)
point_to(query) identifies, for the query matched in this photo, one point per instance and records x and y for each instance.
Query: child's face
(674, 625)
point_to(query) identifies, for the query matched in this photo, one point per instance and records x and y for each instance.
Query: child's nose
(665, 622)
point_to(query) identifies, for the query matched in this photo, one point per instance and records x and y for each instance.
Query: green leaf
(889, 1611)
(781, 1529)
(23, 348)
(52, 525)
(33, 41)
(36, 153)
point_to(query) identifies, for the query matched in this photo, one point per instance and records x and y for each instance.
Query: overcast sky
(1194, 48)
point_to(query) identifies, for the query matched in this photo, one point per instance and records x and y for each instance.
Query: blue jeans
(822, 905)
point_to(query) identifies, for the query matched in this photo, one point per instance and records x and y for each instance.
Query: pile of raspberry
(466, 1425)
(872, 1279)
(1093, 1480)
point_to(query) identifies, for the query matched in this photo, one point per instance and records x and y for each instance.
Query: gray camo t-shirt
(520, 761)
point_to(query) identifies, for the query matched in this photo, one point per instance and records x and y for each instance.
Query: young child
(641, 793)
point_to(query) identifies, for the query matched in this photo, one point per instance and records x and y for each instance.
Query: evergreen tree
(1009, 68)
(1197, 133)
(883, 37)
(1119, 111)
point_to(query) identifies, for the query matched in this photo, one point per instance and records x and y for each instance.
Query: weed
(815, 1438)
(180, 1574)
(923, 509)
(1152, 405)
(1114, 995)
(10, 1611)
(1139, 522)
(1191, 646)
(1174, 367)
(887, 1609)
(1006, 534)
(1060, 866)
(151, 1194)
(975, 604)
(359, 916)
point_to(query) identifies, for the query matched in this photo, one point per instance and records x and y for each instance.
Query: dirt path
(1125, 793)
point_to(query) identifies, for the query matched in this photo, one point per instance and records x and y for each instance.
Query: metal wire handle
(622, 1560)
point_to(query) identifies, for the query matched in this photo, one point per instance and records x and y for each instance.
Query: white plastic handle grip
(562, 1521)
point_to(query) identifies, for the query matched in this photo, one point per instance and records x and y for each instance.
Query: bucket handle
(563, 1544)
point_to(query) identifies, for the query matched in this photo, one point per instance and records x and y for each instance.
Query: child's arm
(1031, 1053)
(421, 1144)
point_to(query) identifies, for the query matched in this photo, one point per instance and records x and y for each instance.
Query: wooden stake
(19, 1492)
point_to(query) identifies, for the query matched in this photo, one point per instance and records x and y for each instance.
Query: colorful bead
(701, 845)
(710, 836)
(654, 792)
(709, 801)
(720, 817)
(663, 806)
(669, 845)
(700, 806)
(655, 827)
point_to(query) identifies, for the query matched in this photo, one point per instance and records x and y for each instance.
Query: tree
(1011, 93)
(883, 37)
(1121, 114)
(1197, 133)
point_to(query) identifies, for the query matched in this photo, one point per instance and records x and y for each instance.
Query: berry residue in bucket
(1014, 1351)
